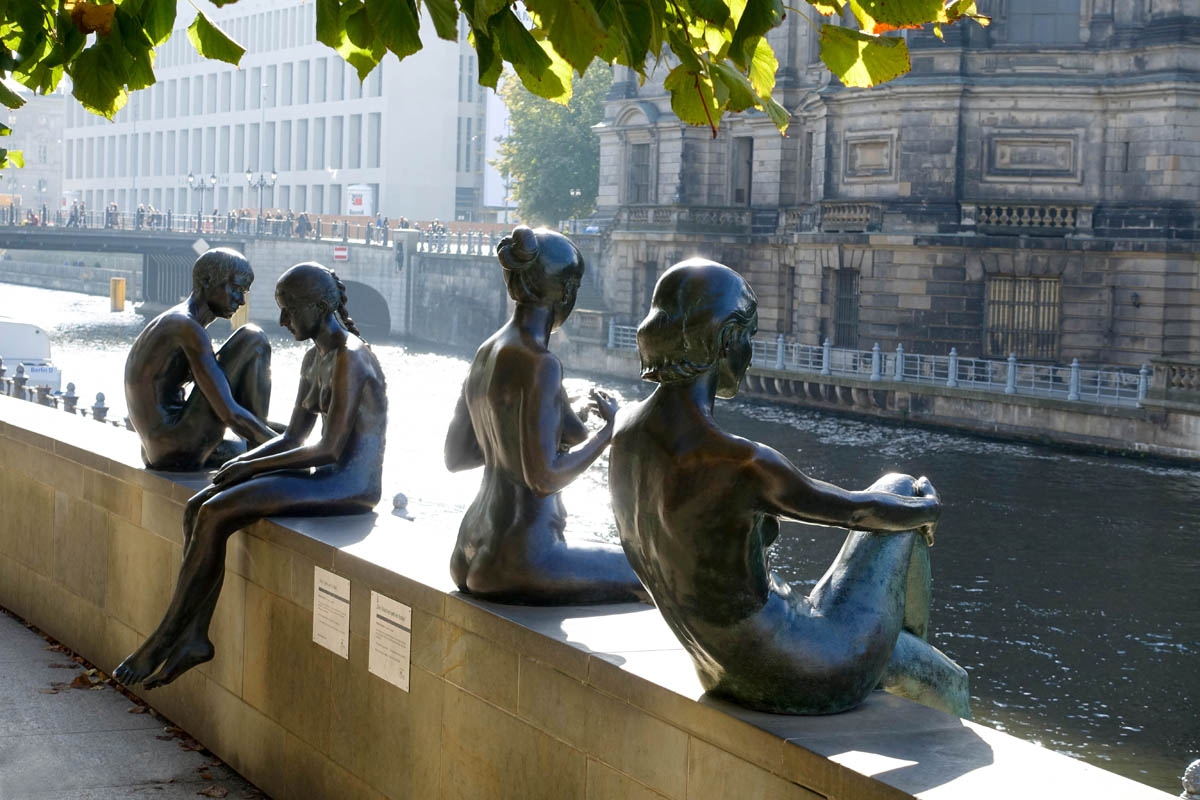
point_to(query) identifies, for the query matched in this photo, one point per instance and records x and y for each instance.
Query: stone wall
(594, 703)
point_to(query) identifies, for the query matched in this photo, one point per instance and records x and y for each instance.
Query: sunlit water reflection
(1068, 585)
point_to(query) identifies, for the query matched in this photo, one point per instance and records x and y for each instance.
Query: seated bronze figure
(340, 381)
(232, 387)
(514, 419)
(696, 509)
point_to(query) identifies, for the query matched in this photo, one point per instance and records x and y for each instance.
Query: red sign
(341, 253)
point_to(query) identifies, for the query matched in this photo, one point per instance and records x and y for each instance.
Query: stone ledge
(505, 701)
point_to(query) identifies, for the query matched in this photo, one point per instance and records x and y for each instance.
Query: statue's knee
(895, 483)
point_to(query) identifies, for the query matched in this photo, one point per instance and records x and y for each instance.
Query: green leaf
(329, 23)
(132, 49)
(444, 14)
(519, 48)
(358, 26)
(861, 60)
(759, 17)
(396, 25)
(490, 63)
(715, 11)
(695, 99)
(96, 84)
(898, 13)
(158, 17)
(9, 97)
(211, 42)
(741, 92)
(13, 158)
(779, 115)
(577, 33)
(763, 67)
(827, 8)
(5, 130)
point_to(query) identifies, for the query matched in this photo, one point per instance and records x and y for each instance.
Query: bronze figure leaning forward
(340, 473)
(231, 388)
(514, 420)
(697, 508)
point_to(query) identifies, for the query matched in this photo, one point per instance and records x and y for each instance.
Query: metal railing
(1112, 386)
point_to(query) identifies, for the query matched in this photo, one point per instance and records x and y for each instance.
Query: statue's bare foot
(186, 655)
(137, 667)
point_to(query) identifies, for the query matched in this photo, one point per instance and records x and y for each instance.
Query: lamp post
(575, 195)
(197, 182)
(262, 182)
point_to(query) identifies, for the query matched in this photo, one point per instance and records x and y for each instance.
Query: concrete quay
(63, 737)
(498, 701)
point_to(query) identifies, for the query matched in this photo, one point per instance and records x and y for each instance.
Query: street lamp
(197, 182)
(575, 195)
(262, 182)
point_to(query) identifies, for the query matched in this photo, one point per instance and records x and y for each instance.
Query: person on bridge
(514, 420)
(697, 508)
(342, 383)
(231, 388)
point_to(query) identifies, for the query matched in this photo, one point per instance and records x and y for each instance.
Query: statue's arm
(787, 491)
(544, 468)
(462, 450)
(212, 383)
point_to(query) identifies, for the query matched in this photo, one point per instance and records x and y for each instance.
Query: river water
(1067, 585)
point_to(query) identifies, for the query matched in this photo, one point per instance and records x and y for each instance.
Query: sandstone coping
(504, 701)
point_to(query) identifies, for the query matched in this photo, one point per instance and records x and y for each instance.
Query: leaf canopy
(720, 57)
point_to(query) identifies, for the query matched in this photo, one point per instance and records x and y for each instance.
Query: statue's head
(703, 315)
(310, 286)
(541, 267)
(222, 276)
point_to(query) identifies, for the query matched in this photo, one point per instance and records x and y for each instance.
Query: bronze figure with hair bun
(514, 420)
(340, 473)
(697, 508)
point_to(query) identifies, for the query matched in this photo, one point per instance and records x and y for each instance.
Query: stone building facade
(1032, 187)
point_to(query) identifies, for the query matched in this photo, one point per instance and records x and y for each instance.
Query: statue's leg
(203, 571)
(245, 358)
(862, 600)
(921, 672)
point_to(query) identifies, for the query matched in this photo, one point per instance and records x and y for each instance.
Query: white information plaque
(391, 637)
(331, 611)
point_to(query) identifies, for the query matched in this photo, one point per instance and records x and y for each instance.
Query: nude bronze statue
(231, 388)
(514, 419)
(697, 508)
(341, 473)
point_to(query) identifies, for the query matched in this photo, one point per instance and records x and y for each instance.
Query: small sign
(341, 253)
(331, 611)
(200, 247)
(391, 639)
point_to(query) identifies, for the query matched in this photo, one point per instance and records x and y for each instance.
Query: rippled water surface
(1067, 585)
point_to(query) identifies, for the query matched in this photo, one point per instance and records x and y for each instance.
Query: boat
(28, 345)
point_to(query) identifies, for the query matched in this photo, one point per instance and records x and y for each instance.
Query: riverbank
(1159, 429)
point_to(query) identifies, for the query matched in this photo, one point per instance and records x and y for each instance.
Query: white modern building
(296, 118)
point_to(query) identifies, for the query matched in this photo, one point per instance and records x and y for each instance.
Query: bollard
(898, 373)
(1010, 382)
(18, 382)
(116, 294)
(1073, 385)
(99, 411)
(43, 396)
(70, 399)
(952, 378)
(1143, 381)
(779, 351)
(827, 357)
(875, 359)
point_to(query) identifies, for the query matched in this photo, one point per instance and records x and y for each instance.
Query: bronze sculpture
(232, 386)
(342, 382)
(696, 509)
(514, 419)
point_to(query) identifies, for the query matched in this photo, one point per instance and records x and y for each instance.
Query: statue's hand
(232, 472)
(603, 404)
(924, 488)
